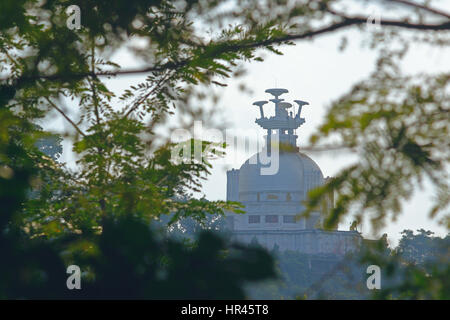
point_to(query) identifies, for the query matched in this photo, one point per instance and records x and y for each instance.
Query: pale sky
(318, 73)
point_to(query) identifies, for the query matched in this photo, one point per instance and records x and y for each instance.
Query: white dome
(296, 173)
(273, 194)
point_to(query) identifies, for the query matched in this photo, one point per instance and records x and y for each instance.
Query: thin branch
(142, 99)
(345, 23)
(91, 83)
(327, 148)
(65, 116)
(422, 7)
(315, 287)
(81, 75)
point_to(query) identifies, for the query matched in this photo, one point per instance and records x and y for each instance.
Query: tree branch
(142, 99)
(91, 83)
(345, 23)
(422, 7)
(65, 116)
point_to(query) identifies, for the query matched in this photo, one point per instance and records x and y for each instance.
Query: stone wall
(313, 241)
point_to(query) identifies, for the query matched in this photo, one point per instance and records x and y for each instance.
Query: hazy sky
(318, 73)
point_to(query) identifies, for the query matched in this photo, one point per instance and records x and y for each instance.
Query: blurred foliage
(127, 260)
(418, 268)
(400, 128)
(125, 178)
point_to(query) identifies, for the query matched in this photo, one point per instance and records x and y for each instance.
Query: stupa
(273, 184)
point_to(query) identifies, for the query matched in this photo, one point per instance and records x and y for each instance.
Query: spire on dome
(283, 122)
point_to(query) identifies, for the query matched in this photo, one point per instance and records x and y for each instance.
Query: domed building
(272, 186)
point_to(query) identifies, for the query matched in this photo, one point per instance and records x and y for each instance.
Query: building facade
(272, 186)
